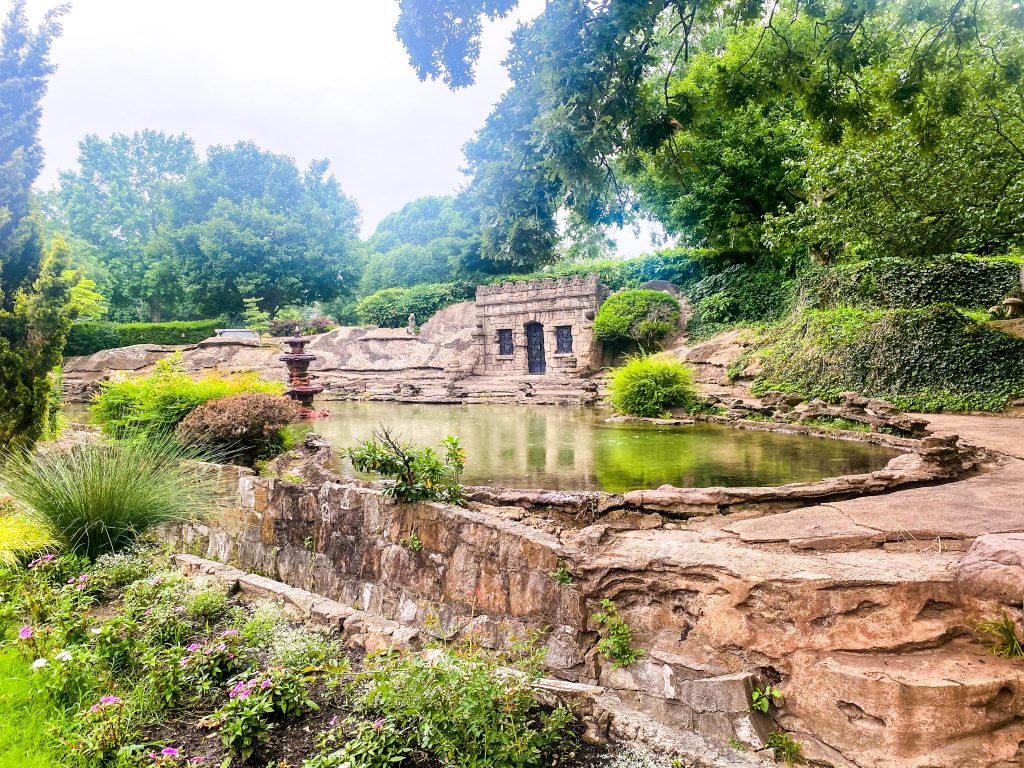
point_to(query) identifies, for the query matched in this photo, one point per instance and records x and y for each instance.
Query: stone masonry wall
(564, 301)
(872, 653)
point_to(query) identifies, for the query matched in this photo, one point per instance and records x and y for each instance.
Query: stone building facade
(539, 326)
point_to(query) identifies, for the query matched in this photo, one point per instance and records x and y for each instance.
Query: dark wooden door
(535, 347)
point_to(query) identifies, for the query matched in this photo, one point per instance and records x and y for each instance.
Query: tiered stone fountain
(300, 388)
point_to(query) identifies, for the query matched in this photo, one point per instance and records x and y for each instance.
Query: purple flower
(265, 684)
(197, 759)
(378, 723)
(244, 694)
(169, 751)
(229, 632)
(221, 647)
(332, 722)
(194, 647)
(109, 700)
(26, 633)
(71, 580)
(155, 580)
(183, 662)
(41, 560)
(84, 577)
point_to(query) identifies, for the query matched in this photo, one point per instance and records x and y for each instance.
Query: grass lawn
(25, 740)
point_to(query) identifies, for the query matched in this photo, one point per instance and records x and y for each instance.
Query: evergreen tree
(35, 282)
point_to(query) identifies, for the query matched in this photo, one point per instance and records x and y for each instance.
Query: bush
(157, 403)
(249, 425)
(894, 283)
(636, 317)
(90, 337)
(462, 710)
(391, 307)
(20, 535)
(741, 293)
(680, 266)
(650, 385)
(99, 498)
(417, 474)
(927, 360)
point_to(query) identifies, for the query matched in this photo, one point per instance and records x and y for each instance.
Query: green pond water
(574, 449)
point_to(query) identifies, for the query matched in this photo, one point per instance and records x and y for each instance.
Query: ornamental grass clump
(94, 499)
(649, 385)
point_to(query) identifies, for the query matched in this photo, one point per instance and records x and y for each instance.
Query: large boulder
(994, 567)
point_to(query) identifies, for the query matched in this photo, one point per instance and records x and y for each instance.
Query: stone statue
(411, 327)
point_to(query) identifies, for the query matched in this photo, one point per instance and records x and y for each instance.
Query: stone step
(949, 707)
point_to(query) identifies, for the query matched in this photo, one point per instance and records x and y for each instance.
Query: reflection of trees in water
(564, 448)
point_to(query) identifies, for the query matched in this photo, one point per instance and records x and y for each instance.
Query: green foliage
(246, 426)
(681, 266)
(172, 236)
(391, 307)
(89, 337)
(157, 403)
(762, 699)
(901, 283)
(617, 643)
(416, 474)
(256, 320)
(787, 751)
(738, 293)
(35, 278)
(650, 385)
(1000, 637)
(638, 317)
(20, 703)
(561, 574)
(413, 542)
(930, 359)
(98, 498)
(20, 535)
(460, 709)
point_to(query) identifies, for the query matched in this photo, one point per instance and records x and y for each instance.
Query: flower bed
(134, 665)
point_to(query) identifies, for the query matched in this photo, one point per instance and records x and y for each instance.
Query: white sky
(306, 78)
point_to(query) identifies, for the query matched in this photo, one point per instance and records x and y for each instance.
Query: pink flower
(197, 759)
(183, 663)
(169, 751)
(41, 560)
(155, 580)
(152, 755)
(229, 632)
(26, 633)
(84, 577)
(378, 723)
(265, 684)
(221, 647)
(332, 722)
(193, 647)
(244, 694)
(109, 700)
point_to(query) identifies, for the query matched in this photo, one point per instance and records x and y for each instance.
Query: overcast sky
(307, 78)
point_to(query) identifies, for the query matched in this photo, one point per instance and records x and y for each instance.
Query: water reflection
(572, 448)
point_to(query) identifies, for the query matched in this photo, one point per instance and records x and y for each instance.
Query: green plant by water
(650, 385)
(414, 473)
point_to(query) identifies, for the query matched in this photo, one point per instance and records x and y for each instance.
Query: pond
(575, 449)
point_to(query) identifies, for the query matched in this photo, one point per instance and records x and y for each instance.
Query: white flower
(38, 663)
(63, 656)
(95, 630)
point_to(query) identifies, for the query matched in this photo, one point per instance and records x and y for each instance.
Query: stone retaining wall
(872, 650)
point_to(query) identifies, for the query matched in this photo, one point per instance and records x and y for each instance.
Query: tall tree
(118, 200)
(34, 281)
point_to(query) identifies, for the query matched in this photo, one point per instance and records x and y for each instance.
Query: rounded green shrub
(391, 307)
(650, 385)
(636, 317)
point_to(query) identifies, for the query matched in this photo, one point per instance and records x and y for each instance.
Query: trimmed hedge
(636, 316)
(87, 338)
(680, 266)
(895, 283)
(741, 293)
(930, 359)
(391, 307)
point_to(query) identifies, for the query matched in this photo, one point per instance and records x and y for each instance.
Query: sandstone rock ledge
(868, 634)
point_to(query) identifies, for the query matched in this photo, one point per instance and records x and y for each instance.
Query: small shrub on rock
(636, 317)
(250, 425)
(416, 474)
(649, 386)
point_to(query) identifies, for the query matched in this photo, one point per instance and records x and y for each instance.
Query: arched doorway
(535, 348)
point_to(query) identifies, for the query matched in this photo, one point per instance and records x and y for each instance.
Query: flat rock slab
(988, 503)
(997, 433)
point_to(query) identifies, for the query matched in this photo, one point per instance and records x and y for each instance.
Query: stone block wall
(564, 301)
(873, 654)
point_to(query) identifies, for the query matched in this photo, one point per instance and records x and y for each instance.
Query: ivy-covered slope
(907, 330)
